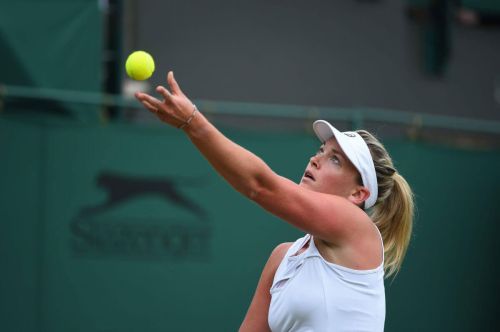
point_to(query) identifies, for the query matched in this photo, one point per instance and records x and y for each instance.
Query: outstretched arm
(242, 169)
(323, 215)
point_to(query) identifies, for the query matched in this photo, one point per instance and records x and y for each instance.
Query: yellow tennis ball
(140, 65)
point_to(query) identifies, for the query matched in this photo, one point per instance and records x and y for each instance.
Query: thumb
(173, 83)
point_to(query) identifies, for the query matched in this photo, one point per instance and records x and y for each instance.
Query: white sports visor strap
(355, 148)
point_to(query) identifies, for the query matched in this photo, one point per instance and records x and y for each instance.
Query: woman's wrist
(197, 125)
(189, 119)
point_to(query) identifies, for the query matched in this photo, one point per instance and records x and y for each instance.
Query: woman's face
(329, 171)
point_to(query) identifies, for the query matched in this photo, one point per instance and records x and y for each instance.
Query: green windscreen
(52, 44)
(127, 228)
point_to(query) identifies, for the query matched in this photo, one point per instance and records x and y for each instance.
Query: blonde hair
(394, 209)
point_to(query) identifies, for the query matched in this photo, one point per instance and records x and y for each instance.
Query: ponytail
(394, 218)
(393, 211)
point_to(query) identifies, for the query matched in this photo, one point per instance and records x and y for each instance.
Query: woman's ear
(359, 195)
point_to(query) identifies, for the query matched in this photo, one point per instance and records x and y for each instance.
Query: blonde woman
(332, 279)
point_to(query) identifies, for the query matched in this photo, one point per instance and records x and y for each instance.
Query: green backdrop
(53, 44)
(186, 254)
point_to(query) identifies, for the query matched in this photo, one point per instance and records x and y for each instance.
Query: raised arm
(241, 168)
(320, 214)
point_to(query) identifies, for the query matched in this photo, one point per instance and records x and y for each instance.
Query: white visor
(355, 148)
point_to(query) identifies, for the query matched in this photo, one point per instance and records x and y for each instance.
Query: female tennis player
(332, 279)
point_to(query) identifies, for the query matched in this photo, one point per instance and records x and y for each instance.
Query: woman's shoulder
(280, 251)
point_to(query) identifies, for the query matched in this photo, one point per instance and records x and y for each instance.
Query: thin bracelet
(188, 121)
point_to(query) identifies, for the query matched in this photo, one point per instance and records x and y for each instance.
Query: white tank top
(310, 294)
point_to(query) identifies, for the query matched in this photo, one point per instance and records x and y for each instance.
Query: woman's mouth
(308, 175)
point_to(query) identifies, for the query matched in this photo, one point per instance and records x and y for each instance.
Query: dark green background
(49, 169)
(51, 44)
(48, 173)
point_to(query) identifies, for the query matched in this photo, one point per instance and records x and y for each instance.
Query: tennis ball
(140, 65)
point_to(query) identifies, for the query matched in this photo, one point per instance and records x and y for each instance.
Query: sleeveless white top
(310, 294)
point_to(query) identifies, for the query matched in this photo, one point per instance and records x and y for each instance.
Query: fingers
(165, 93)
(173, 83)
(150, 107)
(151, 103)
(150, 99)
(154, 105)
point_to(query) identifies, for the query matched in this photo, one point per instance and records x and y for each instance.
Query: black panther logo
(121, 189)
(105, 237)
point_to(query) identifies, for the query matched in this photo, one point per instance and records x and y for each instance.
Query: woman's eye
(335, 160)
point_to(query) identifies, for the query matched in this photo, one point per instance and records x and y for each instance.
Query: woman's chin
(305, 183)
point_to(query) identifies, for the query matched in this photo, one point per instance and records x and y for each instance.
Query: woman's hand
(175, 109)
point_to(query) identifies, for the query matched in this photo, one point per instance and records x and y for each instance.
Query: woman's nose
(314, 161)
